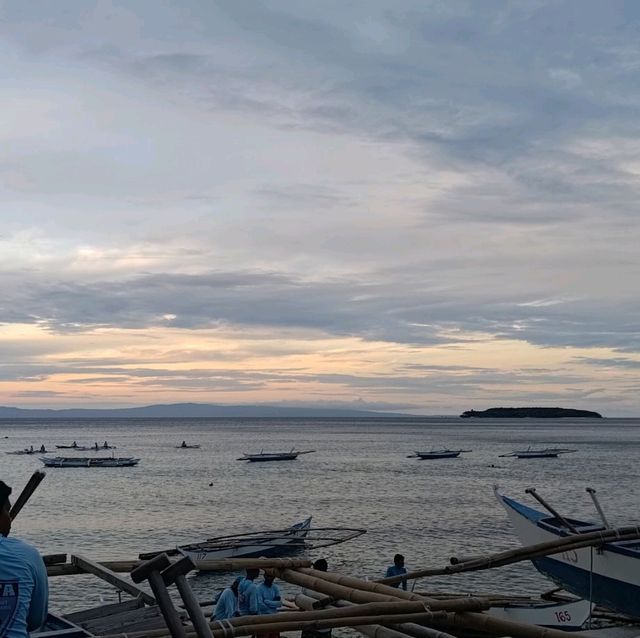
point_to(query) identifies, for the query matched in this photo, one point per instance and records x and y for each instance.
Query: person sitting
(247, 593)
(269, 599)
(183, 444)
(397, 569)
(24, 590)
(42, 449)
(227, 603)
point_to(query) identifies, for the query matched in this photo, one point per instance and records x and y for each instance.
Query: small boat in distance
(105, 446)
(437, 454)
(73, 446)
(30, 450)
(184, 446)
(274, 456)
(83, 461)
(542, 453)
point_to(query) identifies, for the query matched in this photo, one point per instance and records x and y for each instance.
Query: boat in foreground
(437, 454)
(83, 461)
(247, 545)
(261, 456)
(542, 453)
(570, 615)
(607, 575)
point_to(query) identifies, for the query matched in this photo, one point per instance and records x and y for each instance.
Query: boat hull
(437, 455)
(608, 575)
(568, 615)
(88, 462)
(255, 547)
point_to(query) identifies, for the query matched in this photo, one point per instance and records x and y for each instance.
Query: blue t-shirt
(394, 570)
(24, 589)
(247, 598)
(227, 605)
(268, 599)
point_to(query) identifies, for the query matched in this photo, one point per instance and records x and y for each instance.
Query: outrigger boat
(73, 446)
(437, 454)
(264, 543)
(274, 456)
(543, 453)
(607, 574)
(184, 446)
(571, 615)
(83, 461)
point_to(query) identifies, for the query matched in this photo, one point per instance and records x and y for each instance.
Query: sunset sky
(423, 207)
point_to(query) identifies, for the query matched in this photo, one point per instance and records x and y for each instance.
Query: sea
(359, 476)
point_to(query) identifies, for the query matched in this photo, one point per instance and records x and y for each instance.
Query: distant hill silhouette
(193, 410)
(537, 413)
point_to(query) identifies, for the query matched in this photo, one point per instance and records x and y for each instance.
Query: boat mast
(592, 494)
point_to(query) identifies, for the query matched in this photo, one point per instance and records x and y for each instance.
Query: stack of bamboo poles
(375, 609)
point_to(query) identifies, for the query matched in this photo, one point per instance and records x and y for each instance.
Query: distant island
(535, 413)
(196, 411)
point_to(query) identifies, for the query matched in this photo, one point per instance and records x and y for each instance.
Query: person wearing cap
(227, 604)
(24, 590)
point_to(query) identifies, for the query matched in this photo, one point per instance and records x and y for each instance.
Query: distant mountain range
(194, 410)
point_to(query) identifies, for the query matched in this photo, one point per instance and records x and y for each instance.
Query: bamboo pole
(227, 564)
(377, 631)
(466, 619)
(528, 552)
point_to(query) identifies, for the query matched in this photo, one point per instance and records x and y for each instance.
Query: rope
(590, 585)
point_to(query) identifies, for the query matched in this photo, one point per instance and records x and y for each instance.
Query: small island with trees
(534, 413)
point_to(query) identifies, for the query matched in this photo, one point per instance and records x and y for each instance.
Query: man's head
(398, 560)
(5, 507)
(268, 577)
(321, 565)
(252, 573)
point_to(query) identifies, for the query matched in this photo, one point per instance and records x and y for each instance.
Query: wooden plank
(54, 559)
(104, 610)
(111, 577)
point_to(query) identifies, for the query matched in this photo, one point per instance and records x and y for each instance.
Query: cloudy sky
(414, 206)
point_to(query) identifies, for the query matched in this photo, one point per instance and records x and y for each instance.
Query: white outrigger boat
(569, 616)
(607, 574)
(437, 454)
(262, 456)
(264, 543)
(83, 461)
(542, 453)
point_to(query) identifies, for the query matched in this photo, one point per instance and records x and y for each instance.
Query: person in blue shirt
(247, 594)
(269, 599)
(24, 590)
(227, 603)
(397, 569)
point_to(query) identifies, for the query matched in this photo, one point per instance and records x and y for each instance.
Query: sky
(421, 207)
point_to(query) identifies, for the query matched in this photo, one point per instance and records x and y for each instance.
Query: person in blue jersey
(248, 594)
(397, 569)
(24, 590)
(227, 603)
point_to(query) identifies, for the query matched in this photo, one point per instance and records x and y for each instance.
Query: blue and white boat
(607, 574)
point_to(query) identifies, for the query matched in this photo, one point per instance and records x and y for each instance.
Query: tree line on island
(536, 413)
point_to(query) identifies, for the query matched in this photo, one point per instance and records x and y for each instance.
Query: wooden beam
(111, 577)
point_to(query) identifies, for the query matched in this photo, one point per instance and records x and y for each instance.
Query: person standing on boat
(227, 603)
(397, 569)
(248, 593)
(24, 590)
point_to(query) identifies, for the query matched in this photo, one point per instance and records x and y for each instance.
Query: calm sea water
(359, 476)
